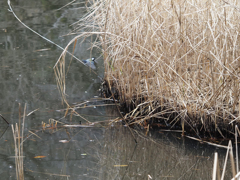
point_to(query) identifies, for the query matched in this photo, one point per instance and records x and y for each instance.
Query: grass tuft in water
(18, 133)
(170, 62)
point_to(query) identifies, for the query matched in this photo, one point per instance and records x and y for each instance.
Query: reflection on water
(104, 152)
(100, 152)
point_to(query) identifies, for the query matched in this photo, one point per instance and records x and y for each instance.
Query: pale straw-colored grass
(18, 133)
(229, 155)
(171, 60)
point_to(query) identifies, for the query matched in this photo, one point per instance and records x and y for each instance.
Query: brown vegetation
(174, 62)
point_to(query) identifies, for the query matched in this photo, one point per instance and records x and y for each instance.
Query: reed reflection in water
(162, 156)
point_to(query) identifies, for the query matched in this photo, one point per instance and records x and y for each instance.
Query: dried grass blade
(216, 172)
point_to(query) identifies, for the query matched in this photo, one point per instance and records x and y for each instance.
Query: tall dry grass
(18, 134)
(171, 60)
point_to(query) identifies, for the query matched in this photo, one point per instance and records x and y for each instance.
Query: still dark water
(104, 152)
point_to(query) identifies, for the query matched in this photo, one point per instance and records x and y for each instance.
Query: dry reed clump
(176, 61)
(18, 134)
